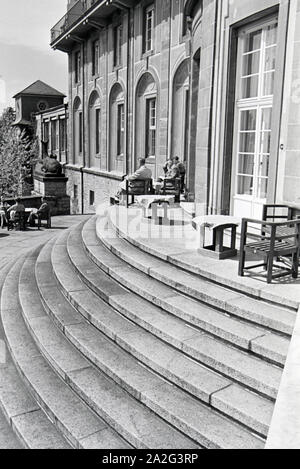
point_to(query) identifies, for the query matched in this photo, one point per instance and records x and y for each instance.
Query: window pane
(248, 120)
(251, 63)
(270, 58)
(265, 142)
(250, 87)
(245, 185)
(266, 119)
(268, 83)
(264, 165)
(246, 164)
(262, 188)
(247, 142)
(253, 41)
(271, 34)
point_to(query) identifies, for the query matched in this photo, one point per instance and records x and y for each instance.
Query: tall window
(62, 135)
(121, 129)
(80, 133)
(54, 136)
(77, 66)
(98, 131)
(118, 38)
(95, 58)
(150, 127)
(148, 28)
(255, 88)
(46, 131)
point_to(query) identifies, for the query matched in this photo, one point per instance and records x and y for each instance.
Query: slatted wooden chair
(172, 187)
(278, 240)
(45, 217)
(137, 187)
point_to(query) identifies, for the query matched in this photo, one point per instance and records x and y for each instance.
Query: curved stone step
(64, 408)
(28, 422)
(239, 365)
(127, 225)
(131, 423)
(144, 345)
(243, 334)
(144, 385)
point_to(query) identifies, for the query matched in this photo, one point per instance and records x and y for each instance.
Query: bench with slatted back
(278, 240)
(138, 187)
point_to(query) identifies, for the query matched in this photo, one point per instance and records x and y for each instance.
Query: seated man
(143, 173)
(43, 210)
(17, 208)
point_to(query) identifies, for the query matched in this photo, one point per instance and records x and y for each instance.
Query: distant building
(35, 98)
(214, 82)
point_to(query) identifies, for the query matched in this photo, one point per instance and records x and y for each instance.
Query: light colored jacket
(142, 173)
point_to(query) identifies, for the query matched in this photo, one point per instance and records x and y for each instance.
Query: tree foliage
(17, 155)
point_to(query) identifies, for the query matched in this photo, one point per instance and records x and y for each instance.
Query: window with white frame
(148, 28)
(120, 128)
(118, 39)
(95, 58)
(255, 89)
(98, 130)
(150, 127)
(54, 135)
(77, 66)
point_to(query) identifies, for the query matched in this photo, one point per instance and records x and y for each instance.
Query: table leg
(154, 212)
(219, 240)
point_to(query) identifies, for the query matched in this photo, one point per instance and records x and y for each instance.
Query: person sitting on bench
(17, 208)
(143, 173)
(44, 210)
(3, 210)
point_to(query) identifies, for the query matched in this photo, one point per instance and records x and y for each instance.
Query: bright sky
(25, 53)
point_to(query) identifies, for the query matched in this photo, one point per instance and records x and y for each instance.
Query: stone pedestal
(54, 189)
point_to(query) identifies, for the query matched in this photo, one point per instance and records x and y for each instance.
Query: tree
(17, 154)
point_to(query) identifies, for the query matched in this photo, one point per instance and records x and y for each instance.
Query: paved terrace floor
(15, 243)
(177, 242)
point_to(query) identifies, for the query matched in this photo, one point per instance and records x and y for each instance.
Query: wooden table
(218, 224)
(153, 202)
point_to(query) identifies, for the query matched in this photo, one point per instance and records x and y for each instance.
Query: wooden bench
(18, 222)
(137, 187)
(278, 240)
(172, 187)
(44, 217)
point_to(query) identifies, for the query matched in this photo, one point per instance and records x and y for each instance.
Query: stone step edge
(273, 299)
(154, 408)
(268, 395)
(223, 335)
(52, 364)
(43, 416)
(89, 320)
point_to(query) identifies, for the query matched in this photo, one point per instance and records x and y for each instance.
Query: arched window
(180, 111)
(117, 129)
(77, 131)
(192, 9)
(146, 119)
(94, 129)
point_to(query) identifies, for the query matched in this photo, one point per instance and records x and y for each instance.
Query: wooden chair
(18, 223)
(137, 187)
(46, 217)
(172, 187)
(278, 240)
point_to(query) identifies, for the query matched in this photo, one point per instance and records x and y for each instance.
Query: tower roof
(39, 88)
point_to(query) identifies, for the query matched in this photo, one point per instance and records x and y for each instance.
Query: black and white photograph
(149, 227)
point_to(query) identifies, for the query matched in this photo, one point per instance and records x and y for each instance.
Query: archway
(94, 129)
(117, 129)
(77, 130)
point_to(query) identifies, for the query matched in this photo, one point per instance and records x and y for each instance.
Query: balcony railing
(70, 18)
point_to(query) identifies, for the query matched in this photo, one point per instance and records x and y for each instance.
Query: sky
(25, 53)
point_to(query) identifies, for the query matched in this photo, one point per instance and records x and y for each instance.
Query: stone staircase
(113, 347)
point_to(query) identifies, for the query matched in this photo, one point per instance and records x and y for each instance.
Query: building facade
(213, 82)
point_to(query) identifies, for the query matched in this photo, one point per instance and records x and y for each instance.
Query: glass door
(253, 118)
